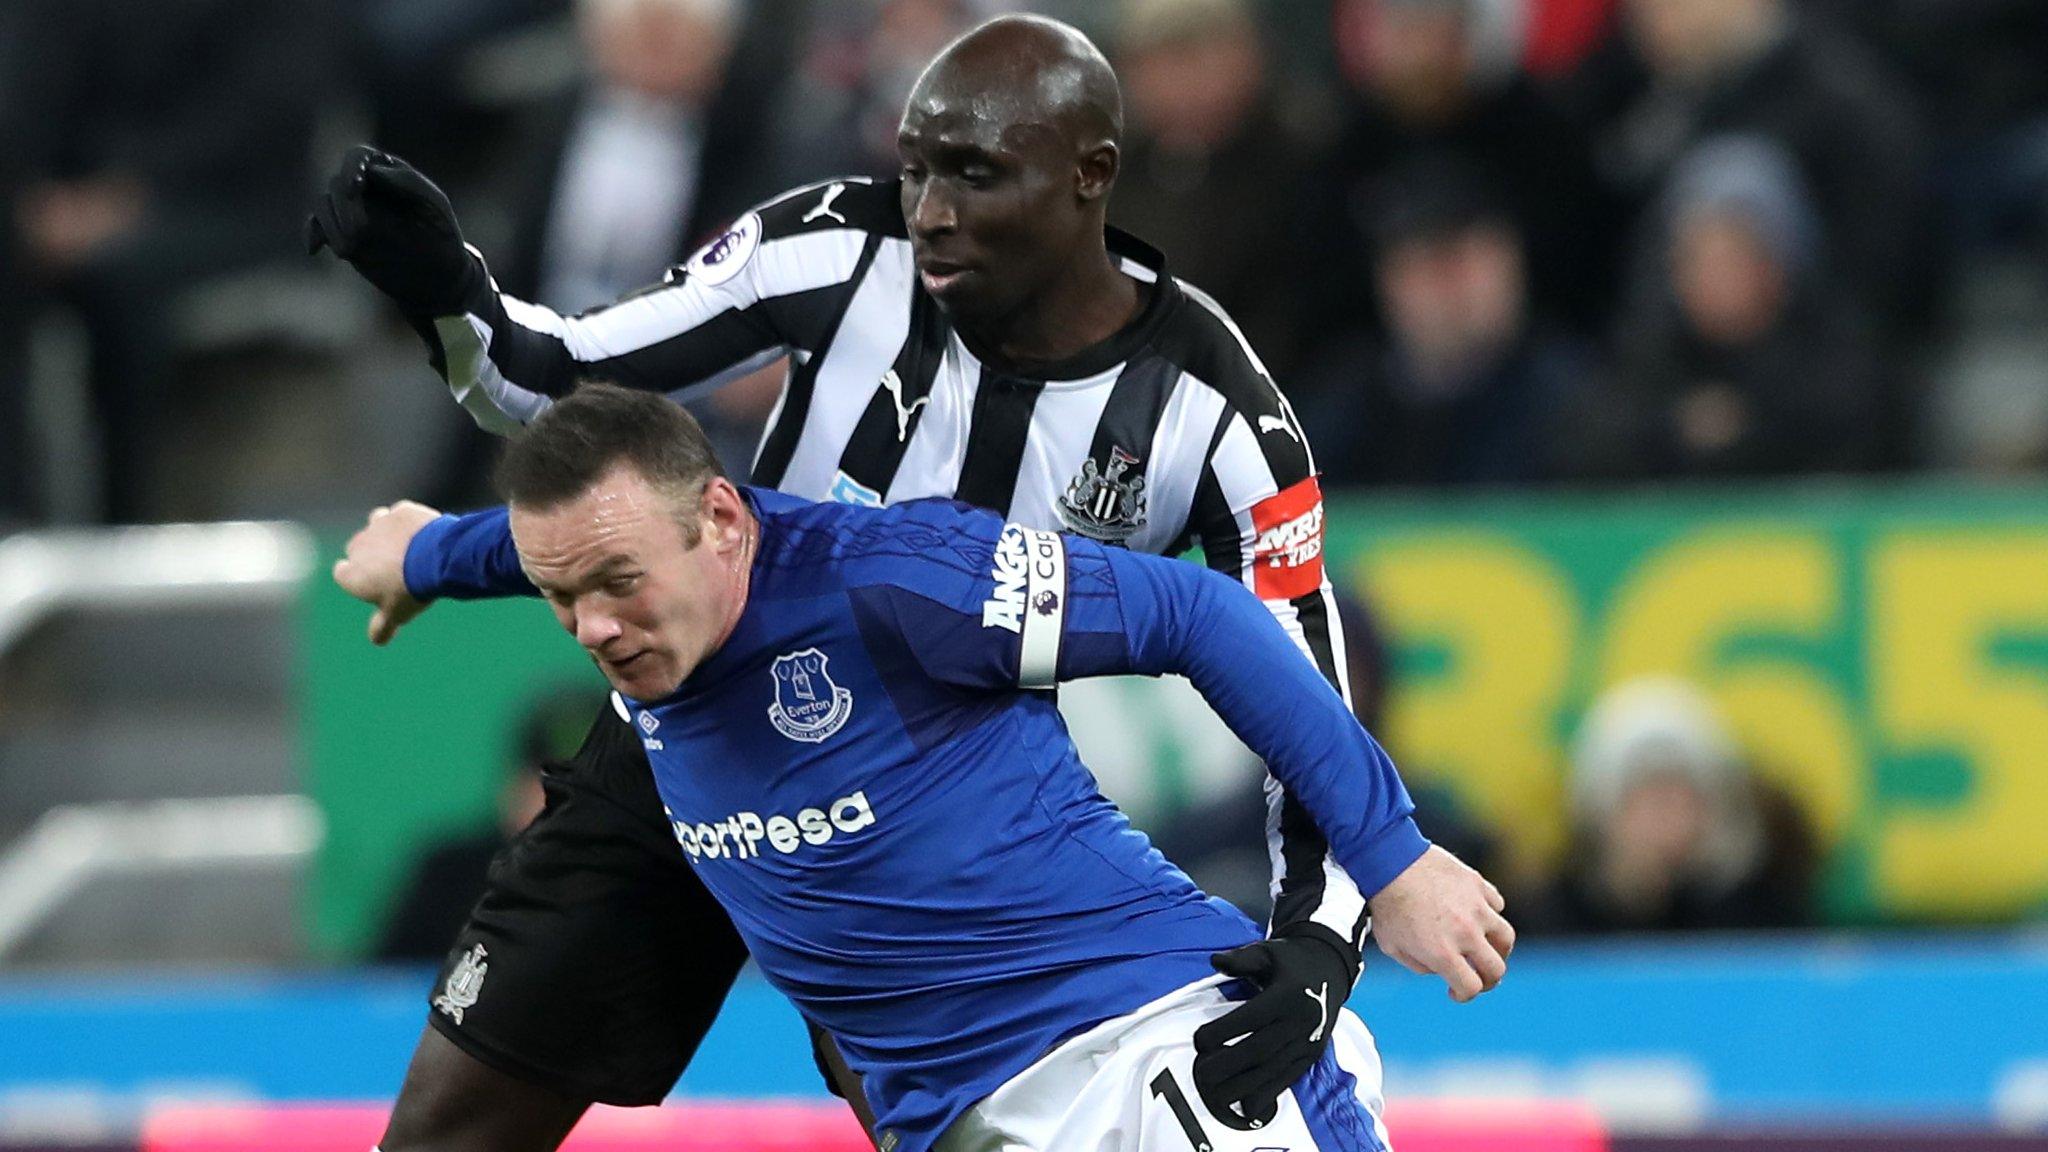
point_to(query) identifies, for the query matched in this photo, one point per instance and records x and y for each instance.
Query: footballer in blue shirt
(850, 718)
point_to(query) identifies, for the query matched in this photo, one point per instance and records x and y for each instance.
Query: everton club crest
(808, 705)
(463, 984)
(1102, 503)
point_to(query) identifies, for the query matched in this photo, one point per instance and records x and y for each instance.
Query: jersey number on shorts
(1167, 1088)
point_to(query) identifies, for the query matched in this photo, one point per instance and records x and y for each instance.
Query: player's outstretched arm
(767, 284)
(1430, 912)
(409, 555)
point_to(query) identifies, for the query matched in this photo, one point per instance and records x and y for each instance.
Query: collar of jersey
(1096, 359)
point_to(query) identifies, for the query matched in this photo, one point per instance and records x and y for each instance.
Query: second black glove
(1246, 1058)
(399, 230)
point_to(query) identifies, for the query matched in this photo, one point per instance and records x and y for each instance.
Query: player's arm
(1046, 608)
(408, 555)
(772, 282)
(1258, 515)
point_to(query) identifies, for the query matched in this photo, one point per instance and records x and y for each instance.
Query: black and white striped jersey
(1169, 433)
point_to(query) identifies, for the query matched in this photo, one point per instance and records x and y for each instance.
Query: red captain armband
(1287, 558)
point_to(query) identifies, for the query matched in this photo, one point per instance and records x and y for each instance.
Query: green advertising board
(1882, 652)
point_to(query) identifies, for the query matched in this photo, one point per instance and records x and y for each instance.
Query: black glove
(1304, 975)
(381, 215)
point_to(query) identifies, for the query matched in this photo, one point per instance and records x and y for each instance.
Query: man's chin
(634, 684)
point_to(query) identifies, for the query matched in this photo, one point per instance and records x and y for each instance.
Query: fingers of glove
(1243, 1115)
(1252, 1017)
(1254, 962)
(1227, 1065)
(1256, 1085)
(1259, 1111)
(402, 184)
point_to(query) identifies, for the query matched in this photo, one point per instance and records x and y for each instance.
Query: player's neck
(1090, 303)
(740, 574)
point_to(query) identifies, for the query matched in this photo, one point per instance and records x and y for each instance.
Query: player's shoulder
(843, 203)
(1207, 344)
(1258, 440)
(853, 545)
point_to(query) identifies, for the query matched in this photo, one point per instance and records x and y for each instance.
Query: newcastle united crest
(1102, 503)
(463, 984)
(808, 705)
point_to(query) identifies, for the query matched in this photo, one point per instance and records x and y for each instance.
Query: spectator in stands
(1211, 170)
(1465, 384)
(1671, 829)
(1738, 354)
(418, 63)
(1976, 68)
(161, 145)
(1415, 85)
(17, 474)
(654, 152)
(844, 104)
(449, 876)
(1687, 71)
(636, 169)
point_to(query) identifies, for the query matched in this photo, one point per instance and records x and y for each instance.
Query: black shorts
(603, 958)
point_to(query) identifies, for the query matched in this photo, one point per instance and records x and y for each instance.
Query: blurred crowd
(1477, 241)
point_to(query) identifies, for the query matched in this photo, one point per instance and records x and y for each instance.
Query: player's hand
(1246, 1058)
(1440, 917)
(372, 568)
(381, 215)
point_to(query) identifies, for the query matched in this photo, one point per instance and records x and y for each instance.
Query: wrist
(422, 566)
(1342, 954)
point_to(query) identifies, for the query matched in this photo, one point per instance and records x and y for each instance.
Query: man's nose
(595, 629)
(933, 214)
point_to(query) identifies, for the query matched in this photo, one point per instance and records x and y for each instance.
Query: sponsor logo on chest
(741, 835)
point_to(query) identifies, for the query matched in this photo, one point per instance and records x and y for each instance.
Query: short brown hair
(595, 429)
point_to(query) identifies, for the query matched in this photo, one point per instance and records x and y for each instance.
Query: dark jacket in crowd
(1536, 160)
(1371, 422)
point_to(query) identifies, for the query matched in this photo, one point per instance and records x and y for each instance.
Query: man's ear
(1095, 171)
(724, 512)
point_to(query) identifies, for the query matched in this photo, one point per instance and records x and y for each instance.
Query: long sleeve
(1028, 609)
(1195, 623)
(775, 281)
(1258, 515)
(467, 557)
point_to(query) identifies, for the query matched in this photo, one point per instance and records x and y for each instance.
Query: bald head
(1028, 71)
(1009, 151)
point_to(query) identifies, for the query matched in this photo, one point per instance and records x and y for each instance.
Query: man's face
(1732, 287)
(614, 565)
(1454, 299)
(989, 195)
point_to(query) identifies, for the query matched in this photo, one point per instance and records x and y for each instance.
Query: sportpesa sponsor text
(739, 836)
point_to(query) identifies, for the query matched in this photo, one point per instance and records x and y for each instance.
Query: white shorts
(1125, 1086)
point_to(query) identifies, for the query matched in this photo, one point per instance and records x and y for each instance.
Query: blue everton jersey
(872, 777)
